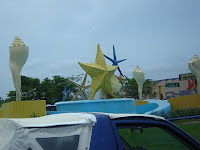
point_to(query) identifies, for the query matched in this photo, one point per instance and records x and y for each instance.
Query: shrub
(179, 113)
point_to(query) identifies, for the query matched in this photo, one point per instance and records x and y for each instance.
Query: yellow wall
(23, 109)
(0, 112)
(140, 102)
(189, 101)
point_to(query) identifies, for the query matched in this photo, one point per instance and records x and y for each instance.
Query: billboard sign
(172, 85)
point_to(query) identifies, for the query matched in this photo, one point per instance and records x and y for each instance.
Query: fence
(182, 102)
(23, 109)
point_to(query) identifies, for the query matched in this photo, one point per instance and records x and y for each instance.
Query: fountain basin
(105, 105)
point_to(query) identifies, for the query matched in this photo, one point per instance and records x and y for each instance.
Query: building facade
(184, 85)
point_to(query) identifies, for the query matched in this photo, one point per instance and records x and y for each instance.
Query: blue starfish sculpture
(65, 92)
(115, 61)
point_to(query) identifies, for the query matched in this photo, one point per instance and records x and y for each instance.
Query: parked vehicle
(51, 108)
(94, 131)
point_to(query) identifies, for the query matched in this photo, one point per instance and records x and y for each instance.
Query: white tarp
(47, 132)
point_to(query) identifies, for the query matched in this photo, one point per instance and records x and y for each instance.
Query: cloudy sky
(160, 36)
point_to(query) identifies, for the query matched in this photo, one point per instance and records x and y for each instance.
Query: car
(51, 108)
(93, 131)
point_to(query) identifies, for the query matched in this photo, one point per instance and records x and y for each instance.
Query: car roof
(126, 115)
(68, 119)
(50, 120)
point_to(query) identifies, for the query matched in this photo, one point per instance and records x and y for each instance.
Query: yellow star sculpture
(100, 73)
(121, 79)
(81, 88)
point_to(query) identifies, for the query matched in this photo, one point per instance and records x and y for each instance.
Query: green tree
(1, 102)
(46, 88)
(131, 89)
(148, 89)
(49, 89)
(30, 88)
(11, 96)
(52, 89)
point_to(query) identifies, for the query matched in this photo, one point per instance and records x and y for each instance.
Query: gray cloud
(159, 36)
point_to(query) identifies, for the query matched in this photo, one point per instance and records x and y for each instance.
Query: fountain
(103, 79)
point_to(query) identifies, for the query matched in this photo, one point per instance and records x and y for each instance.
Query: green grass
(191, 126)
(186, 121)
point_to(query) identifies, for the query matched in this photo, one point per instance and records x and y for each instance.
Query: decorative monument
(100, 73)
(18, 56)
(115, 84)
(115, 61)
(20, 109)
(65, 92)
(121, 79)
(138, 74)
(103, 78)
(81, 88)
(194, 66)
